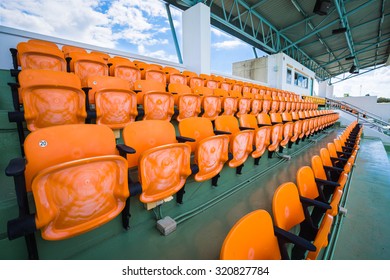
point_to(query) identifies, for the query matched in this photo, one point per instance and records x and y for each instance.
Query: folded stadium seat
(154, 72)
(174, 76)
(157, 103)
(316, 189)
(276, 132)
(243, 103)
(163, 163)
(229, 104)
(262, 136)
(51, 98)
(80, 185)
(288, 131)
(266, 104)
(341, 162)
(188, 103)
(254, 237)
(321, 173)
(296, 128)
(241, 141)
(225, 85)
(344, 152)
(115, 102)
(210, 150)
(125, 69)
(211, 104)
(290, 210)
(193, 80)
(37, 56)
(336, 163)
(86, 65)
(67, 49)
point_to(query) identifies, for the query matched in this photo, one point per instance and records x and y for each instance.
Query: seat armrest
(183, 139)
(327, 183)
(16, 167)
(331, 168)
(295, 239)
(316, 203)
(246, 128)
(124, 150)
(338, 159)
(220, 132)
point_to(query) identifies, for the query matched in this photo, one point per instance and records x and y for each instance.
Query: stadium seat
(188, 103)
(51, 98)
(157, 103)
(125, 69)
(290, 210)
(262, 135)
(241, 141)
(67, 49)
(115, 103)
(254, 237)
(81, 184)
(163, 163)
(210, 150)
(86, 65)
(211, 104)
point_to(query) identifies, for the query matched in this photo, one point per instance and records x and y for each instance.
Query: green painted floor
(365, 231)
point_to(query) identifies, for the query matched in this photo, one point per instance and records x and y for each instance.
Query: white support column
(196, 38)
(325, 90)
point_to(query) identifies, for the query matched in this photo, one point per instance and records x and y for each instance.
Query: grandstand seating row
(311, 204)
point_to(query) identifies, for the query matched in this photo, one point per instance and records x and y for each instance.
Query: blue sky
(142, 27)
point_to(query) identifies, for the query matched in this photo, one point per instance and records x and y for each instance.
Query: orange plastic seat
(154, 73)
(124, 69)
(262, 135)
(173, 76)
(103, 55)
(211, 151)
(188, 103)
(157, 103)
(229, 104)
(86, 65)
(115, 103)
(211, 104)
(334, 162)
(42, 42)
(163, 164)
(80, 185)
(40, 56)
(240, 144)
(252, 238)
(51, 98)
(311, 188)
(289, 212)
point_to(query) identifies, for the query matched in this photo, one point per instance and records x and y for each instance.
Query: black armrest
(220, 132)
(124, 150)
(327, 183)
(338, 159)
(346, 154)
(68, 59)
(347, 148)
(331, 168)
(14, 53)
(86, 91)
(14, 72)
(16, 116)
(246, 128)
(15, 95)
(182, 139)
(21, 226)
(295, 239)
(316, 203)
(15, 167)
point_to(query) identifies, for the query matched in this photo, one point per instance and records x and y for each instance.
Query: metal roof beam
(251, 8)
(360, 73)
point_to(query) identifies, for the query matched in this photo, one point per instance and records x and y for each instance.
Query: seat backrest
(332, 150)
(286, 206)
(251, 238)
(227, 123)
(145, 86)
(80, 185)
(306, 184)
(197, 128)
(325, 157)
(248, 120)
(115, 103)
(60, 144)
(147, 134)
(66, 49)
(42, 42)
(87, 65)
(124, 69)
(40, 56)
(318, 167)
(51, 98)
(256, 106)
(155, 75)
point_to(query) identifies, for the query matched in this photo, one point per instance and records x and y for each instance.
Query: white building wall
(272, 70)
(325, 90)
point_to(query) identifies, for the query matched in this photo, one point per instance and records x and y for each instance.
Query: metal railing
(367, 118)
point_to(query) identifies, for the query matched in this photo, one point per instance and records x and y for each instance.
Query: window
(289, 76)
(301, 80)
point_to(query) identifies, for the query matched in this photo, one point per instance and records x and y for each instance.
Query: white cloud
(96, 22)
(228, 44)
(160, 54)
(219, 33)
